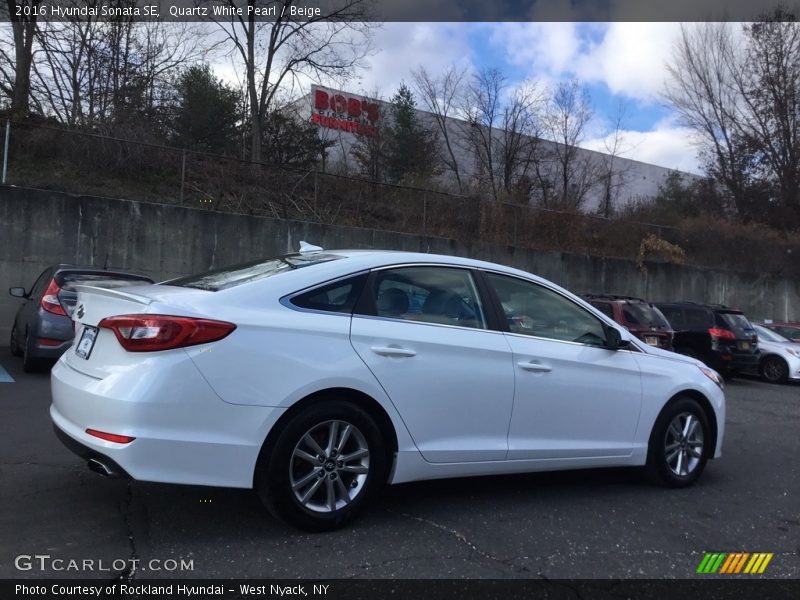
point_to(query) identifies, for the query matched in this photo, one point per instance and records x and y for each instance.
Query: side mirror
(17, 292)
(614, 339)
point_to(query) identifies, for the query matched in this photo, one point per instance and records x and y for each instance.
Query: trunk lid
(101, 354)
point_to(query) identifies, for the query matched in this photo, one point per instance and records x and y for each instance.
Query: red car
(788, 329)
(641, 318)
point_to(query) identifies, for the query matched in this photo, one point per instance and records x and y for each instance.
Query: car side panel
(267, 359)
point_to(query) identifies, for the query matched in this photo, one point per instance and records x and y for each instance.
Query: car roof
(708, 306)
(356, 261)
(613, 298)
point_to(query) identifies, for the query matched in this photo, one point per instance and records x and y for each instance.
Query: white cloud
(403, 47)
(667, 144)
(545, 48)
(631, 59)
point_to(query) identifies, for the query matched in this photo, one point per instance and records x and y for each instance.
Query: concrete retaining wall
(39, 228)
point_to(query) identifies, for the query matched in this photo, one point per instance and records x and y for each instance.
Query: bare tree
(612, 177)
(274, 53)
(441, 96)
(16, 71)
(741, 94)
(483, 110)
(701, 89)
(520, 139)
(90, 72)
(569, 173)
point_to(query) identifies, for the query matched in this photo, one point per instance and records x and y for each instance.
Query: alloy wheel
(683, 444)
(773, 370)
(329, 466)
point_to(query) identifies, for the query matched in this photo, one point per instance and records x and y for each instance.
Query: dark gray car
(43, 327)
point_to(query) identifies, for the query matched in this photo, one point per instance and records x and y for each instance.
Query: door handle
(391, 351)
(534, 366)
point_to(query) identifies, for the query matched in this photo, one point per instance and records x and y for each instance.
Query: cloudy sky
(618, 62)
(621, 64)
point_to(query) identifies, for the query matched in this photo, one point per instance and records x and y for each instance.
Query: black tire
(31, 364)
(16, 350)
(774, 369)
(278, 465)
(659, 464)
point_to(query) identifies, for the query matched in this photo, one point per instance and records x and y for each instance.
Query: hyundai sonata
(318, 377)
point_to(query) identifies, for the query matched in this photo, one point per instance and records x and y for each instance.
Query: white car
(780, 357)
(318, 377)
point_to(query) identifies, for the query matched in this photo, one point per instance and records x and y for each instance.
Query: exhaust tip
(101, 468)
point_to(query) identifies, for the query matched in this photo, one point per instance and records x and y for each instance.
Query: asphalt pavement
(581, 524)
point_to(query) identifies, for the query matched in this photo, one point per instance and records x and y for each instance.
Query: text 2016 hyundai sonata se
(318, 377)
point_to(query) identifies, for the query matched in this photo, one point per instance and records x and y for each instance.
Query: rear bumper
(88, 454)
(54, 328)
(38, 350)
(184, 433)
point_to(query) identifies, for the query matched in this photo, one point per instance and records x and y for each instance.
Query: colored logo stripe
(734, 562)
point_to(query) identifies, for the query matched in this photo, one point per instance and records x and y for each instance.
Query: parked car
(789, 330)
(42, 328)
(641, 318)
(314, 378)
(780, 356)
(721, 337)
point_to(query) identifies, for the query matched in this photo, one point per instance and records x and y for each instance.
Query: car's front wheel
(678, 449)
(327, 463)
(774, 370)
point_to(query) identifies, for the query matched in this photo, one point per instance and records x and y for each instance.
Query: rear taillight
(50, 299)
(722, 334)
(148, 333)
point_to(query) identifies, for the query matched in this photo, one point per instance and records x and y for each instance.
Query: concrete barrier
(39, 228)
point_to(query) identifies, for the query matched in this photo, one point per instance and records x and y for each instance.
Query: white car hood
(647, 349)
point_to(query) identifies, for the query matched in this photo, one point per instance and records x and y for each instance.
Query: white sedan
(318, 377)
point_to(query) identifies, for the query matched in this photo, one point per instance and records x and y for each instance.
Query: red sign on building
(353, 114)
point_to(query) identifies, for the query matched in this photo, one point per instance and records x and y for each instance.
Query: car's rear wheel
(16, 349)
(774, 370)
(678, 449)
(327, 463)
(31, 364)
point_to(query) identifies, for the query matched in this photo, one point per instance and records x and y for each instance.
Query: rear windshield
(770, 336)
(641, 313)
(221, 279)
(734, 321)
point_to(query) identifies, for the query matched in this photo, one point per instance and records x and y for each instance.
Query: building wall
(39, 228)
(633, 179)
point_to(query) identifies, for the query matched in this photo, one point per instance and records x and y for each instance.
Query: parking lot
(587, 524)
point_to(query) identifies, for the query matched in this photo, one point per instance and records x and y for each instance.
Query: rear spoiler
(112, 293)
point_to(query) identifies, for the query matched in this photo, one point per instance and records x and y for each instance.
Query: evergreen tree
(206, 112)
(412, 152)
(285, 141)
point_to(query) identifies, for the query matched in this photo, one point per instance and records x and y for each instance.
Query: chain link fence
(47, 157)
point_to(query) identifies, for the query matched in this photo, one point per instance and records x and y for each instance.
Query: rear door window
(436, 295)
(337, 297)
